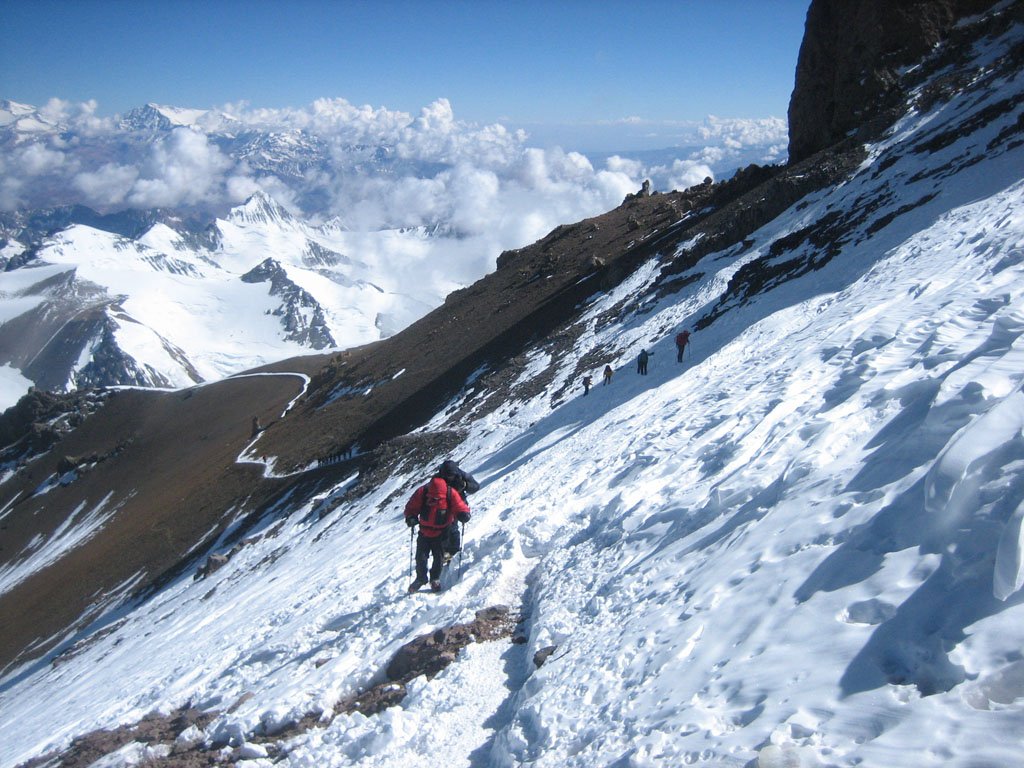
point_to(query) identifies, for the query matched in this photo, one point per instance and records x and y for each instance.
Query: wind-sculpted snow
(800, 546)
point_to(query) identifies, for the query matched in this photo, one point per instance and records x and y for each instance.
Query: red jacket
(682, 338)
(435, 505)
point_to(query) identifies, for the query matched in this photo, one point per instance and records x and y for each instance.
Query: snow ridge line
(244, 457)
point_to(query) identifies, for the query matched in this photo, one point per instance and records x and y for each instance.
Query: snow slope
(801, 547)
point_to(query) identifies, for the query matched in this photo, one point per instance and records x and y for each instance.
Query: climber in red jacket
(682, 339)
(435, 506)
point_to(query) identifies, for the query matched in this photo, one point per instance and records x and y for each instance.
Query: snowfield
(801, 547)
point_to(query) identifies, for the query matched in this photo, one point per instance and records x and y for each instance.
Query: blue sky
(551, 66)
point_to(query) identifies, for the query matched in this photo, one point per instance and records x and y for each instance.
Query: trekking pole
(412, 534)
(461, 548)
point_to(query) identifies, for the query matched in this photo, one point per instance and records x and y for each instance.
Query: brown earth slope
(164, 465)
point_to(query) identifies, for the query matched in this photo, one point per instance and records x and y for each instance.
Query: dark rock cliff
(847, 73)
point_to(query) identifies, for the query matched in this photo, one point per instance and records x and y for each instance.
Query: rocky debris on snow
(217, 560)
(430, 653)
(213, 564)
(172, 731)
(427, 655)
(178, 740)
(543, 655)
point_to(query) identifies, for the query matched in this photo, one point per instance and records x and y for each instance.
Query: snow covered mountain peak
(24, 122)
(260, 208)
(319, 295)
(12, 110)
(157, 117)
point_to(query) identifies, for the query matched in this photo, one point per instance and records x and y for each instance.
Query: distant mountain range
(126, 262)
(65, 157)
(170, 307)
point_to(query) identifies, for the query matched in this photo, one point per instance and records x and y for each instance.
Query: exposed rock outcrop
(301, 315)
(847, 70)
(43, 417)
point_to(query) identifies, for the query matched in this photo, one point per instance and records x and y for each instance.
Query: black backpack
(462, 481)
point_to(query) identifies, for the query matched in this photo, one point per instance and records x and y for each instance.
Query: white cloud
(108, 186)
(184, 168)
(10, 192)
(80, 117)
(685, 174)
(241, 187)
(744, 132)
(384, 169)
(37, 159)
(632, 168)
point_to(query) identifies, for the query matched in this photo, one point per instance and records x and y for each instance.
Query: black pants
(452, 540)
(426, 547)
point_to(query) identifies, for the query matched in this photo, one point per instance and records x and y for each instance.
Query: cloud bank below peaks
(371, 168)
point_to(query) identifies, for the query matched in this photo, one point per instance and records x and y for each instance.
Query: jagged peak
(159, 117)
(259, 208)
(268, 269)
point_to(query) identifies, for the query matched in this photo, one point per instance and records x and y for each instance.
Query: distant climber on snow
(587, 380)
(641, 362)
(436, 506)
(607, 374)
(682, 338)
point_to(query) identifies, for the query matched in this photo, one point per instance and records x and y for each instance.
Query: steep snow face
(800, 546)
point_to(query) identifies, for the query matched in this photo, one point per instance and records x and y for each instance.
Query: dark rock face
(847, 71)
(43, 417)
(110, 365)
(301, 315)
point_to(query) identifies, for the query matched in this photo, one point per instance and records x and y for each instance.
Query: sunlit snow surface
(801, 546)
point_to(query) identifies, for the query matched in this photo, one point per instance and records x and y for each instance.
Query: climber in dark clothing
(682, 339)
(641, 362)
(436, 506)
